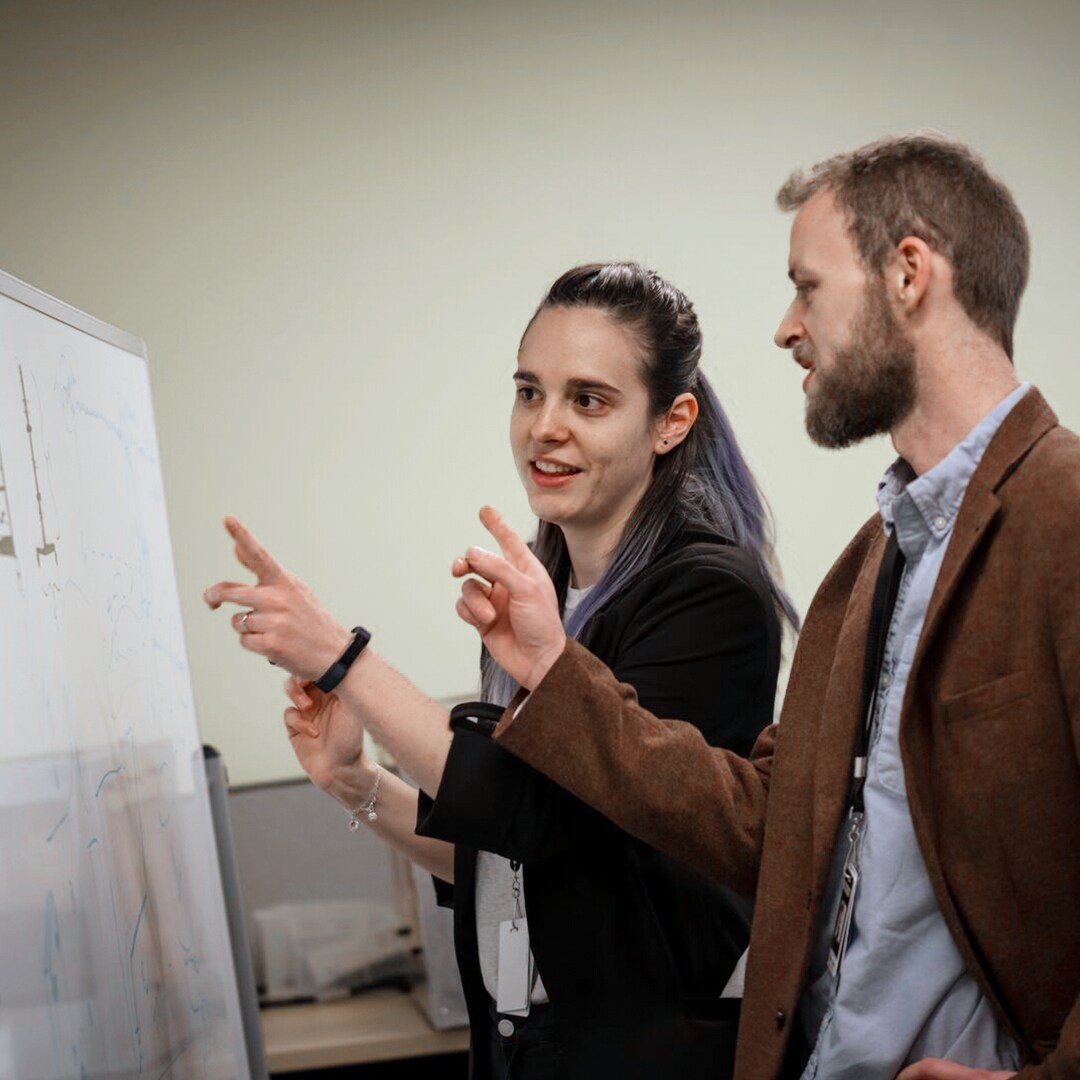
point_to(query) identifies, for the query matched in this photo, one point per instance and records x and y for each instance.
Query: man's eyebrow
(526, 377)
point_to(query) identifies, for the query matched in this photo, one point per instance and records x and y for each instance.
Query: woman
(654, 535)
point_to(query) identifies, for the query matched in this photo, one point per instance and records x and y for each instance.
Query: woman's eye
(589, 402)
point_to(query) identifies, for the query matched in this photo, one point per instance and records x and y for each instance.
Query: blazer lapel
(1020, 431)
(840, 717)
(977, 511)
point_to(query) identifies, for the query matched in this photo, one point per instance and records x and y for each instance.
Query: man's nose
(790, 331)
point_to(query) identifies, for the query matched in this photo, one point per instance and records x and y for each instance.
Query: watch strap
(337, 670)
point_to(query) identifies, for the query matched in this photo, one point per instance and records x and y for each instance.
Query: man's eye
(526, 393)
(803, 289)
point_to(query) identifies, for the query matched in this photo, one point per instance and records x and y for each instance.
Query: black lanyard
(888, 585)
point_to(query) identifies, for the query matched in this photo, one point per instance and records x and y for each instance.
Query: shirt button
(940, 523)
(886, 681)
(506, 1028)
(781, 1019)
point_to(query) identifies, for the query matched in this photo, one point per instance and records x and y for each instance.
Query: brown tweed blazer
(989, 734)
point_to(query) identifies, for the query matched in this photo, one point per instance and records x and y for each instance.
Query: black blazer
(633, 947)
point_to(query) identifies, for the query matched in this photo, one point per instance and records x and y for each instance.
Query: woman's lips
(551, 480)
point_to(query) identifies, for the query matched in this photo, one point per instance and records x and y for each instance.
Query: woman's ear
(676, 423)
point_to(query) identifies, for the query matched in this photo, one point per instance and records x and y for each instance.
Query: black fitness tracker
(336, 671)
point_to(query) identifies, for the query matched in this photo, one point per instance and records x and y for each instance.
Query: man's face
(860, 365)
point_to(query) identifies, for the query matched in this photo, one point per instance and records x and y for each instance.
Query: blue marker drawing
(52, 946)
(111, 772)
(138, 923)
(53, 831)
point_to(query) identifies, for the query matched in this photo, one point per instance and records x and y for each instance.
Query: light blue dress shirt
(904, 992)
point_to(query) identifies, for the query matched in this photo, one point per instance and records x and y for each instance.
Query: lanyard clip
(856, 819)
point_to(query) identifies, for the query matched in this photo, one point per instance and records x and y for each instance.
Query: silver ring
(244, 622)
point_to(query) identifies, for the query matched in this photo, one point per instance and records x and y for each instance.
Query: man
(913, 822)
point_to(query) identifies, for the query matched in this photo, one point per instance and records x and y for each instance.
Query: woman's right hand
(329, 743)
(514, 608)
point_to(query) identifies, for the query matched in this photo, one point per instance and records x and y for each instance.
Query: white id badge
(515, 968)
(842, 927)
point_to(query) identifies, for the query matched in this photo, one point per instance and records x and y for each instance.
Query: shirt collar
(921, 507)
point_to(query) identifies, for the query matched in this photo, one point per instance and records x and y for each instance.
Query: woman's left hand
(329, 743)
(285, 621)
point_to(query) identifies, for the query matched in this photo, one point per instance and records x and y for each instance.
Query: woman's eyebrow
(575, 386)
(579, 386)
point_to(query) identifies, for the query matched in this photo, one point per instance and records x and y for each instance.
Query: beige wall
(331, 220)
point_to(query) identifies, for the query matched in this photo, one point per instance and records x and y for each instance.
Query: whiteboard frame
(21, 292)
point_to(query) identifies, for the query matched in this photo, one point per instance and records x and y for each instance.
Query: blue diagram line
(56, 828)
(52, 946)
(101, 783)
(138, 923)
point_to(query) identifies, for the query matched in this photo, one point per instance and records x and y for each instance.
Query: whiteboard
(114, 955)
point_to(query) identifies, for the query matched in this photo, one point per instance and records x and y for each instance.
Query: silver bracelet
(368, 806)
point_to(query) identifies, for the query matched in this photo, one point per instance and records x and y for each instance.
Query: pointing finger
(514, 548)
(252, 554)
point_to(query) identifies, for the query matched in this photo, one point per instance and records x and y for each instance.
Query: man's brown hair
(929, 186)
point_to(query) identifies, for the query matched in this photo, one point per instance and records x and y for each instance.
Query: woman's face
(581, 433)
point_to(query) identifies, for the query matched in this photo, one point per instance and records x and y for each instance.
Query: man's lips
(807, 365)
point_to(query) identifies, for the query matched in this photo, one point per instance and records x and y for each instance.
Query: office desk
(380, 1025)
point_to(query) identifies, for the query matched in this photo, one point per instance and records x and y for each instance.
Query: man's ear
(908, 274)
(676, 423)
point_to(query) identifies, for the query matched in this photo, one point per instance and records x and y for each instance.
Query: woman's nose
(549, 424)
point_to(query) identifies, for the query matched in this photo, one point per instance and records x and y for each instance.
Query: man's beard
(870, 385)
